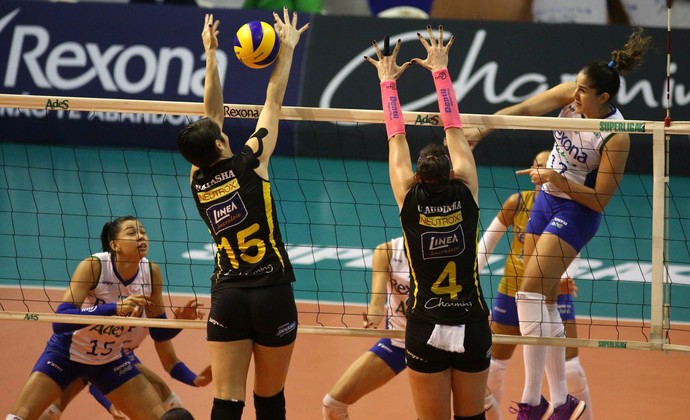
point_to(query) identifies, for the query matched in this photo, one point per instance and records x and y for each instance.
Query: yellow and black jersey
(238, 208)
(440, 231)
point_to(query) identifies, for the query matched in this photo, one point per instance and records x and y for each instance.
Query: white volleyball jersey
(134, 336)
(100, 344)
(577, 154)
(398, 289)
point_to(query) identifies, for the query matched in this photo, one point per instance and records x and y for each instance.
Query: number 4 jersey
(238, 208)
(441, 242)
(100, 344)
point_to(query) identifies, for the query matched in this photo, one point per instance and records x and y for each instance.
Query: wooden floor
(625, 384)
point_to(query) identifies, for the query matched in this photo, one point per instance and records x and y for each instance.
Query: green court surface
(54, 201)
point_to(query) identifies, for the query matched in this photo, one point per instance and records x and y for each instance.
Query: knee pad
(575, 375)
(533, 314)
(479, 416)
(51, 413)
(227, 409)
(332, 409)
(173, 401)
(270, 408)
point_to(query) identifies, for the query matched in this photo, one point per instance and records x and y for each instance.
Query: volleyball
(257, 44)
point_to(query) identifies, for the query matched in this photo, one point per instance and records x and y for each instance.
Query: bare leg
(431, 394)
(36, 395)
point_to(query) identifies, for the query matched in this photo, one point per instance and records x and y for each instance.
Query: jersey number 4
(446, 284)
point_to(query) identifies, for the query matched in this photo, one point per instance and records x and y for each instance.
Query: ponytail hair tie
(612, 64)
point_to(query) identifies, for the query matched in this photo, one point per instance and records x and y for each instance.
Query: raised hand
(437, 53)
(386, 66)
(287, 29)
(210, 33)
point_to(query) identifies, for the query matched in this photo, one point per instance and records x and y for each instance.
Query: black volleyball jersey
(238, 208)
(441, 236)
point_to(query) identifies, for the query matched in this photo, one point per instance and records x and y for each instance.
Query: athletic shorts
(421, 357)
(567, 219)
(392, 355)
(505, 310)
(64, 371)
(266, 315)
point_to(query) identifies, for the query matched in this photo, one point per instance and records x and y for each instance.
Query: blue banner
(124, 51)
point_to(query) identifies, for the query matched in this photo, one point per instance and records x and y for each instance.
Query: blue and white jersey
(577, 154)
(100, 344)
(398, 289)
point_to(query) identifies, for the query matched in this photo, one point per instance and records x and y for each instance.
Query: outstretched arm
(213, 89)
(399, 160)
(555, 98)
(289, 35)
(464, 167)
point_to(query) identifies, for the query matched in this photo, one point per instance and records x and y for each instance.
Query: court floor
(625, 384)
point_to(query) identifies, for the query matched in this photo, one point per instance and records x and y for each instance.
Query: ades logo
(443, 244)
(226, 214)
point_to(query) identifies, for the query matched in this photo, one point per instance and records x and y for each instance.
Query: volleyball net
(334, 205)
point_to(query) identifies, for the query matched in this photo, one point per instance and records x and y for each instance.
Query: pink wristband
(447, 103)
(392, 111)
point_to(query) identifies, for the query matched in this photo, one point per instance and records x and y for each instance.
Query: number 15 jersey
(238, 208)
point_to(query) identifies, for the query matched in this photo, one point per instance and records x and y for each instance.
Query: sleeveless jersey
(398, 289)
(100, 344)
(515, 263)
(576, 154)
(238, 208)
(440, 231)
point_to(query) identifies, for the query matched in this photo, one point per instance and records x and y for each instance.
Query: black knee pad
(480, 416)
(227, 409)
(270, 408)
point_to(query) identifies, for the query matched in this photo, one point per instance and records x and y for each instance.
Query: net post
(660, 182)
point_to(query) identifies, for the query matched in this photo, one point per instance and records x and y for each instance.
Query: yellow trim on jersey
(269, 219)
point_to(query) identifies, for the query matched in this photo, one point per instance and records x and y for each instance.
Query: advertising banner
(123, 51)
(494, 65)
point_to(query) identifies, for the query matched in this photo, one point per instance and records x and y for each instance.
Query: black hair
(604, 76)
(110, 230)
(177, 413)
(433, 167)
(197, 142)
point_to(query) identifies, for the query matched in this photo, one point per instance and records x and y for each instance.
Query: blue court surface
(55, 200)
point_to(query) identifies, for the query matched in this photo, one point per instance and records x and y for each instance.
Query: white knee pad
(575, 375)
(51, 413)
(333, 409)
(13, 417)
(173, 401)
(533, 314)
(496, 380)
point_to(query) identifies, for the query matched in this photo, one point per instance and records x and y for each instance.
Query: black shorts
(266, 315)
(424, 358)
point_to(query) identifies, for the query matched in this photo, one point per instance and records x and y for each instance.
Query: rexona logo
(74, 64)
